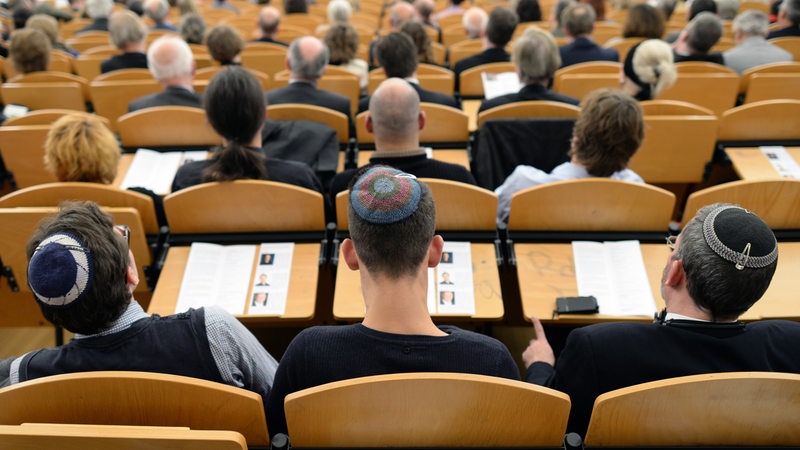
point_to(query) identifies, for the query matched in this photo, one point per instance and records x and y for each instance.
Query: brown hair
(79, 147)
(644, 21)
(224, 43)
(342, 42)
(30, 50)
(422, 41)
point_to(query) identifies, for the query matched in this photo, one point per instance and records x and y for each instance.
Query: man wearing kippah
(721, 264)
(83, 276)
(392, 244)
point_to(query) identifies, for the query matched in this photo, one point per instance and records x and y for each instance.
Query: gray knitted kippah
(741, 237)
(60, 271)
(383, 195)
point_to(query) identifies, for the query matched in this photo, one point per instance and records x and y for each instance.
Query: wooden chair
(623, 45)
(18, 224)
(592, 67)
(534, 108)
(427, 410)
(269, 60)
(203, 76)
(790, 44)
(88, 65)
(61, 61)
(100, 437)
(125, 74)
(298, 111)
(605, 30)
(83, 45)
(22, 148)
(673, 108)
(45, 95)
(773, 86)
(430, 77)
(168, 127)
(346, 85)
(55, 77)
(439, 50)
(701, 67)
(591, 204)
(136, 398)
(720, 409)
(244, 206)
(759, 123)
(463, 49)
(46, 117)
(470, 83)
(307, 22)
(784, 67)
(775, 201)
(715, 91)
(581, 84)
(111, 98)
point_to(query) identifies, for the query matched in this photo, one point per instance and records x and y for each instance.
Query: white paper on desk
(155, 170)
(217, 275)
(614, 273)
(453, 289)
(782, 161)
(497, 84)
(271, 284)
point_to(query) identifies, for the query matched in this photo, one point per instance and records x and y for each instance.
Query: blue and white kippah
(741, 237)
(60, 271)
(383, 195)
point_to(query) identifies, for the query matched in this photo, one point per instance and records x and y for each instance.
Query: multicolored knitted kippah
(383, 195)
(741, 237)
(61, 270)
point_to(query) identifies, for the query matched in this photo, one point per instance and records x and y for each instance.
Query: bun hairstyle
(650, 66)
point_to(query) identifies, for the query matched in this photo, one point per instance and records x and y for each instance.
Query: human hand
(538, 348)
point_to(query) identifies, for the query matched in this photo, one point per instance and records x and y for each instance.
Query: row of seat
(433, 410)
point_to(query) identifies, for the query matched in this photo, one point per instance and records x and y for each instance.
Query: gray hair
(339, 11)
(792, 9)
(156, 10)
(475, 21)
(308, 69)
(704, 31)
(126, 28)
(193, 28)
(751, 23)
(99, 8)
(578, 19)
(169, 58)
(536, 56)
(727, 9)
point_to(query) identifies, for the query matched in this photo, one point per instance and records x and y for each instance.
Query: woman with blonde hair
(649, 68)
(80, 147)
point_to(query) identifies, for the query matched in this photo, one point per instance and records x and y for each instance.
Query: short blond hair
(80, 147)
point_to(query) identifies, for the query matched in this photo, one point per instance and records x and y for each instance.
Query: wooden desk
(348, 303)
(547, 271)
(751, 164)
(300, 302)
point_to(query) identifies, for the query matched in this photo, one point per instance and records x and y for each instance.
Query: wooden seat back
(773, 86)
(46, 117)
(673, 108)
(781, 67)
(761, 121)
(299, 111)
(790, 44)
(579, 85)
(470, 83)
(22, 149)
(111, 98)
(534, 108)
(167, 126)
(777, 202)
(45, 95)
(715, 91)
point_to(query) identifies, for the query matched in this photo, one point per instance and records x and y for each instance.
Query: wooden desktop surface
(546, 271)
(751, 164)
(348, 303)
(300, 302)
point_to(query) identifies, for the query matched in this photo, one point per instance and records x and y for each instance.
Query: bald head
(474, 21)
(394, 114)
(171, 62)
(268, 20)
(308, 57)
(401, 13)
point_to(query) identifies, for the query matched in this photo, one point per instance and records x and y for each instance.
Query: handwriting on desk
(543, 264)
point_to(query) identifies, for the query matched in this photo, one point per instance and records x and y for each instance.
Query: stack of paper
(155, 170)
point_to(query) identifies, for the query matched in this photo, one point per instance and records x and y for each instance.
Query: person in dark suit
(397, 55)
(721, 264)
(99, 11)
(578, 22)
(696, 40)
(498, 32)
(269, 20)
(307, 59)
(127, 34)
(395, 119)
(788, 19)
(171, 62)
(536, 58)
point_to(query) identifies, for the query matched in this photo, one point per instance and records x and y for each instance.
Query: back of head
(30, 50)
(269, 18)
(501, 26)
(235, 108)
(698, 6)
(609, 130)
(727, 9)
(792, 9)
(224, 43)
(20, 16)
(397, 54)
(650, 65)
(578, 20)
(392, 221)
(394, 110)
(558, 10)
(169, 58)
(342, 40)
(339, 11)
(186, 7)
(536, 56)
(77, 266)
(422, 42)
(135, 6)
(193, 28)
(667, 7)
(424, 9)
(400, 13)
(308, 57)
(474, 21)
(527, 10)
(644, 21)
(80, 147)
(751, 23)
(704, 31)
(729, 255)
(97, 9)
(157, 10)
(46, 24)
(126, 28)
(295, 7)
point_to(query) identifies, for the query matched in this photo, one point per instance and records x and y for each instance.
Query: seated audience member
(157, 11)
(609, 130)
(392, 245)
(527, 10)
(454, 7)
(80, 147)
(474, 22)
(648, 69)
(645, 21)
(29, 50)
(557, 26)
(83, 274)
(578, 23)
(193, 28)
(49, 26)
(342, 41)
(695, 8)
(225, 45)
(397, 56)
(38, 7)
(306, 61)
(752, 48)
(422, 42)
(727, 9)
(536, 58)
(395, 120)
(127, 34)
(99, 11)
(235, 108)
(721, 264)
(400, 13)
(269, 21)
(171, 62)
(788, 20)
(697, 38)
(186, 7)
(424, 11)
(499, 30)
(338, 12)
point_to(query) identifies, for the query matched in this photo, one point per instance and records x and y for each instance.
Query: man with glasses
(83, 275)
(720, 265)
